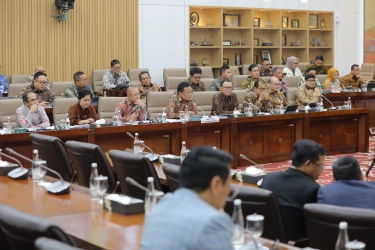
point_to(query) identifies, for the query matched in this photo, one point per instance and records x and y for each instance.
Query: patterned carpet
(365, 160)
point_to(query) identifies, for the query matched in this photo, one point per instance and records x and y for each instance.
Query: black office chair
(52, 150)
(322, 223)
(82, 155)
(43, 243)
(135, 166)
(172, 172)
(371, 86)
(19, 230)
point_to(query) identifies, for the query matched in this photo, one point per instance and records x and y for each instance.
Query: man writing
(195, 80)
(191, 216)
(258, 97)
(225, 101)
(178, 102)
(353, 79)
(224, 74)
(30, 114)
(132, 108)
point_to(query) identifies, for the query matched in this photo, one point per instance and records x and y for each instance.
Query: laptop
(291, 109)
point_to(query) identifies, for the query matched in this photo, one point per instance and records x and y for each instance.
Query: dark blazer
(293, 189)
(354, 193)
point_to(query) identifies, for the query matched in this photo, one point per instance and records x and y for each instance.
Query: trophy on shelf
(194, 18)
(269, 24)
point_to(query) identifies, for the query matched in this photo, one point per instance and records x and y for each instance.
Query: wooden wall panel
(97, 32)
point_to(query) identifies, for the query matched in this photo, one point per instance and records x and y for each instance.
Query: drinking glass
(159, 118)
(62, 124)
(181, 114)
(114, 119)
(254, 226)
(41, 171)
(141, 146)
(7, 128)
(101, 186)
(248, 111)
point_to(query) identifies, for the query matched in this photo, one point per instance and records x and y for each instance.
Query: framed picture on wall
(255, 41)
(232, 20)
(256, 22)
(295, 23)
(226, 61)
(313, 21)
(266, 54)
(285, 21)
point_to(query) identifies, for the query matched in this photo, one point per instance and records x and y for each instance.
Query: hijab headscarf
(290, 61)
(330, 74)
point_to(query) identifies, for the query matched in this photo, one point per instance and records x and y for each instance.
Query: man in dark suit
(296, 186)
(349, 189)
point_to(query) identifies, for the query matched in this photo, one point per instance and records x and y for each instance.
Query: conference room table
(86, 221)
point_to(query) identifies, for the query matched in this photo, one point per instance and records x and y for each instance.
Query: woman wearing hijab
(291, 68)
(332, 81)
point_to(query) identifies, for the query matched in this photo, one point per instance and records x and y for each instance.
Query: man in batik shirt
(195, 80)
(258, 98)
(308, 93)
(179, 101)
(276, 97)
(146, 85)
(132, 108)
(115, 77)
(225, 101)
(30, 114)
(39, 86)
(265, 70)
(80, 82)
(254, 75)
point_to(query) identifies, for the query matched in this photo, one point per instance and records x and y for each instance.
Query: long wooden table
(263, 139)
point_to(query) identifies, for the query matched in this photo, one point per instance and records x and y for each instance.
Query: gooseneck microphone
(204, 113)
(58, 187)
(255, 164)
(151, 156)
(331, 108)
(131, 181)
(20, 173)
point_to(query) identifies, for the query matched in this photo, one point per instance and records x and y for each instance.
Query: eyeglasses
(197, 77)
(84, 80)
(276, 83)
(43, 83)
(321, 166)
(86, 100)
(32, 100)
(227, 88)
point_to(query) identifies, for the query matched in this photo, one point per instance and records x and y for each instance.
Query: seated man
(115, 78)
(318, 85)
(258, 97)
(146, 85)
(39, 86)
(248, 83)
(307, 93)
(195, 80)
(353, 79)
(80, 82)
(296, 186)
(178, 102)
(132, 108)
(3, 85)
(348, 189)
(278, 73)
(318, 65)
(191, 217)
(224, 74)
(225, 101)
(276, 97)
(30, 80)
(30, 114)
(265, 70)
(83, 112)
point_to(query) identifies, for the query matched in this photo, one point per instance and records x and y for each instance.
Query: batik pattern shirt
(317, 83)
(306, 96)
(248, 83)
(126, 109)
(319, 70)
(144, 90)
(265, 72)
(263, 105)
(196, 87)
(44, 95)
(3, 84)
(27, 119)
(351, 80)
(110, 80)
(222, 104)
(72, 90)
(30, 80)
(277, 98)
(215, 85)
(177, 104)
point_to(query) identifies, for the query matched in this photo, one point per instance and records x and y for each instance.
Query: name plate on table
(6, 167)
(209, 119)
(123, 204)
(20, 130)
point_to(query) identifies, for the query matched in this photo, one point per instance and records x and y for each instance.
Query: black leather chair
(52, 150)
(322, 222)
(135, 166)
(172, 172)
(82, 155)
(19, 230)
(43, 243)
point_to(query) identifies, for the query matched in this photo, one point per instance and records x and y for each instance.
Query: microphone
(204, 113)
(58, 187)
(20, 173)
(152, 156)
(244, 157)
(131, 181)
(207, 75)
(333, 107)
(252, 105)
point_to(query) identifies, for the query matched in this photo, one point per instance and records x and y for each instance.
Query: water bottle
(119, 118)
(8, 127)
(1, 89)
(164, 116)
(67, 122)
(136, 144)
(342, 239)
(183, 151)
(105, 93)
(238, 224)
(349, 103)
(150, 199)
(94, 173)
(187, 115)
(35, 167)
(62, 95)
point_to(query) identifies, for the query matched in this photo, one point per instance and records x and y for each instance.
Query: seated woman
(291, 68)
(83, 112)
(332, 84)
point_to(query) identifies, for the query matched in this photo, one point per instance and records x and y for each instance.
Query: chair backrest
(264, 202)
(172, 172)
(340, 78)
(279, 66)
(237, 80)
(292, 81)
(322, 78)
(326, 218)
(207, 82)
(234, 70)
(156, 101)
(171, 83)
(174, 72)
(204, 101)
(367, 71)
(291, 95)
(245, 69)
(61, 107)
(20, 229)
(135, 166)
(8, 108)
(97, 79)
(266, 79)
(59, 88)
(19, 78)
(52, 150)
(107, 107)
(83, 154)
(15, 89)
(43, 243)
(302, 66)
(207, 72)
(241, 94)
(133, 74)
